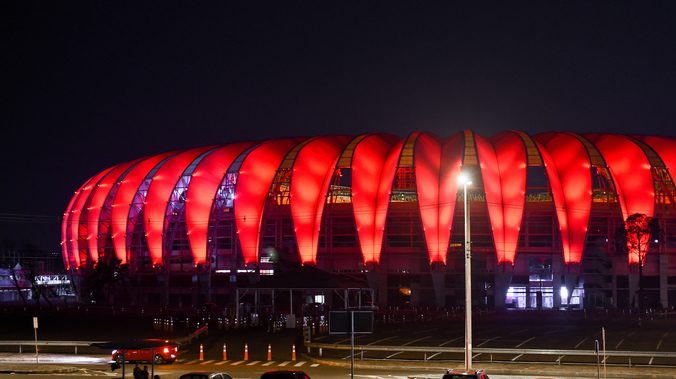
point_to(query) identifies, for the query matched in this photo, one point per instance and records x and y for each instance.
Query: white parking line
(393, 354)
(192, 362)
(253, 363)
(486, 341)
(451, 340)
(268, 363)
(381, 340)
(518, 331)
(517, 357)
(580, 343)
(284, 363)
(314, 365)
(415, 340)
(661, 339)
(651, 361)
(425, 331)
(524, 342)
(619, 343)
(208, 362)
(221, 363)
(347, 339)
(299, 364)
(237, 363)
(433, 355)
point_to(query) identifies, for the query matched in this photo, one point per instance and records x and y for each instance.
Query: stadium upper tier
(150, 196)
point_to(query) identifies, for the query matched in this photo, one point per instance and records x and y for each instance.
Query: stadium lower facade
(384, 214)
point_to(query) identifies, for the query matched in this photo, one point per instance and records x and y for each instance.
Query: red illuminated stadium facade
(547, 219)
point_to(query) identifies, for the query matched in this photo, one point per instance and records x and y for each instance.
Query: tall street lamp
(465, 181)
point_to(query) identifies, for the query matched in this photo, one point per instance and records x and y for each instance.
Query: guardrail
(425, 350)
(73, 344)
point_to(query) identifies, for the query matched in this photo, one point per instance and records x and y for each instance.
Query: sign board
(340, 322)
(291, 321)
(35, 322)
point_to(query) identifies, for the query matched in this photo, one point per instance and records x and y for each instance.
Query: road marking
(425, 331)
(208, 362)
(518, 331)
(433, 355)
(299, 364)
(416, 340)
(192, 362)
(221, 363)
(631, 333)
(524, 342)
(381, 340)
(347, 339)
(392, 355)
(268, 363)
(651, 361)
(314, 365)
(284, 363)
(558, 360)
(476, 355)
(552, 331)
(580, 343)
(661, 339)
(517, 357)
(237, 363)
(253, 363)
(449, 341)
(486, 341)
(619, 343)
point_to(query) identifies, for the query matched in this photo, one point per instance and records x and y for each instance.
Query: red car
(162, 354)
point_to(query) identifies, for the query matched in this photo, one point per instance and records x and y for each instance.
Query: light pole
(465, 181)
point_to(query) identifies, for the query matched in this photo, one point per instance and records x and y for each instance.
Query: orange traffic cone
(225, 353)
(269, 352)
(246, 352)
(293, 352)
(201, 352)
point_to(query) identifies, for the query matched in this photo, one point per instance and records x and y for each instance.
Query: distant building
(546, 212)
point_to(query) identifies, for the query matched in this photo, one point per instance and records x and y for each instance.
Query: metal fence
(30, 345)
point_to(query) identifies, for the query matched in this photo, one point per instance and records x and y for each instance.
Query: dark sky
(86, 86)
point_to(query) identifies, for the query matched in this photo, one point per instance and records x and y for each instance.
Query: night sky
(87, 86)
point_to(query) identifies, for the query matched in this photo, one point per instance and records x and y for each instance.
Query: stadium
(380, 219)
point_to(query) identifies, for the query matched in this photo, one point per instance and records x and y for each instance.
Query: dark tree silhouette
(100, 280)
(639, 228)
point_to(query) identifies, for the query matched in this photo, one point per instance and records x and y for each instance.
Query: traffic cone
(246, 352)
(293, 352)
(269, 352)
(201, 352)
(225, 353)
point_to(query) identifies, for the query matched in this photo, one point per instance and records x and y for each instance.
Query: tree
(99, 280)
(639, 227)
(18, 283)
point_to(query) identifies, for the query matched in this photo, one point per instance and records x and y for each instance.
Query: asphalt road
(253, 371)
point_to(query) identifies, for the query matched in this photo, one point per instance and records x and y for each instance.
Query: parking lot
(551, 330)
